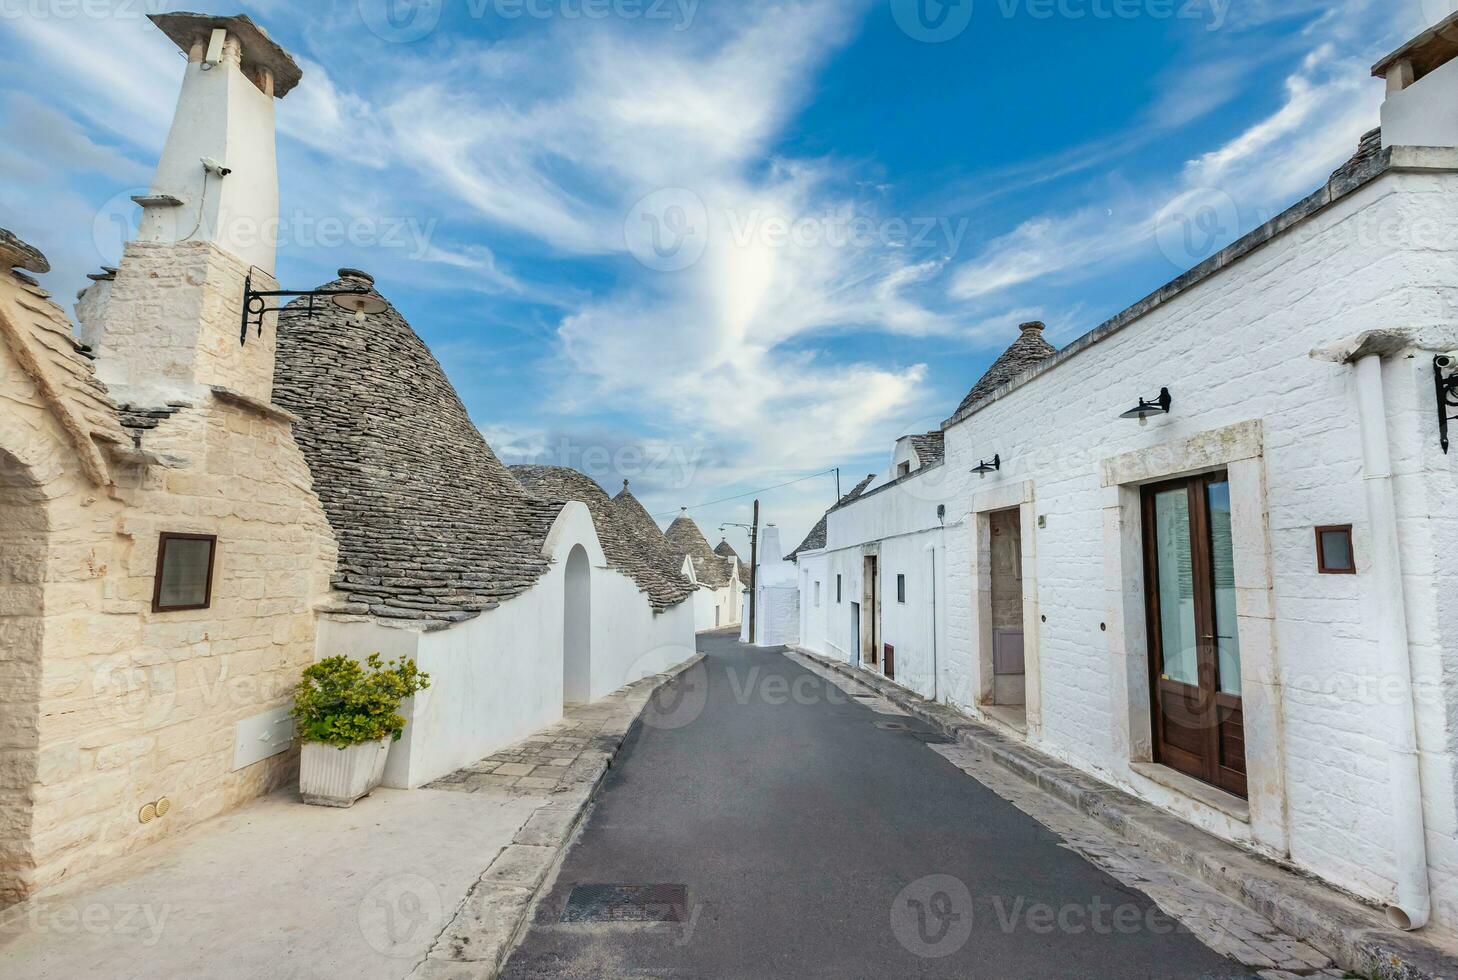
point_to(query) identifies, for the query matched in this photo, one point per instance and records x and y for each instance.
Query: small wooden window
(184, 572)
(1334, 550)
(901, 588)
(817, 595)
(837, 589)
(903, 470)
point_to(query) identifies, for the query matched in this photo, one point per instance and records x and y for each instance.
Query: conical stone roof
(819, 534)
(1028, 350)
(431, 526)
(688, 541)
(665, 588)
(647, 533)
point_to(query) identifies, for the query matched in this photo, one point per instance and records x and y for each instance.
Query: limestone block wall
(170, 326)
(1235, 350)
(112, 705)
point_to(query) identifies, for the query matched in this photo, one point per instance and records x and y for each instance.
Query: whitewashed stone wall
(499, 677)
(1233, 349)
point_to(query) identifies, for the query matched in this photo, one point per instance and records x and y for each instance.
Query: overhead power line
(751, 493)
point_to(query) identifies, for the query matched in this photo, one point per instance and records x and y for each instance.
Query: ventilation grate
(627, 903)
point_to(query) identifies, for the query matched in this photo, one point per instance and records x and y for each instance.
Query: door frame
(1239, 450)
(1208, 766)
(1019, 497)
(871, 610)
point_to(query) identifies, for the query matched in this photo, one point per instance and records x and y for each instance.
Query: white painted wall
(499, 677)
(1233, 349)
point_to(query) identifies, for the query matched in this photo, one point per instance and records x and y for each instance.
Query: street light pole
(753, 574)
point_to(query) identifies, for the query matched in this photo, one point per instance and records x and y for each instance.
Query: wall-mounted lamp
(1447, 392)
(985, 467)
(1146, 409)
(255, 304)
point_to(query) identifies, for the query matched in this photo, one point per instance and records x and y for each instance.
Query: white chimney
(1422, 83)
(217, 180)
(168, 327)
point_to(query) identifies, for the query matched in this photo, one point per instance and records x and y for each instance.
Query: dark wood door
(1194, 647)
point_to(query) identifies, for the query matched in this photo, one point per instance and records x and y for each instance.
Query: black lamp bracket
(1447, 396)
(993, 466)
(1163, 402)
(256, 305)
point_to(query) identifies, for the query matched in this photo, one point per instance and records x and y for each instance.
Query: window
(901, 588)
(903, 470)
(837, 589)
(1334, 550)
(184, 572)
(817, 595)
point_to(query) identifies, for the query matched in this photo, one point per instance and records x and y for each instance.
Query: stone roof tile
(431, 526)
(686, 540)
(624, 549)
(1024, 353)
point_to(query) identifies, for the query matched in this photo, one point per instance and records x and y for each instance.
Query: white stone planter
(329, 776)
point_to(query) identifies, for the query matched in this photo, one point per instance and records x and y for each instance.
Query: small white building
(1205, 552)
(775, 594)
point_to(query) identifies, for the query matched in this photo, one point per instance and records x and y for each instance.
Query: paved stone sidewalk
(1226, 927)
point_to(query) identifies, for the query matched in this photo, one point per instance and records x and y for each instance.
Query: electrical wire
(751, 493)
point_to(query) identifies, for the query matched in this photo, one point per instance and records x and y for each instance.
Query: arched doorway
(577, 629)
(23, 536)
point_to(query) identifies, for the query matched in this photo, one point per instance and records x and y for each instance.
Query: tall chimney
(1422, 83)
(170, 327)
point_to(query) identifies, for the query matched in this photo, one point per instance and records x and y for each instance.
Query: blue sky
(853, 206)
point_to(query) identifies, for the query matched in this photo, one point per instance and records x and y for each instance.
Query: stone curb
(1352, 934)
(485, 931)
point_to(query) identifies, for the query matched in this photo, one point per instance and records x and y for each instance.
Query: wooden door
(1194, 647)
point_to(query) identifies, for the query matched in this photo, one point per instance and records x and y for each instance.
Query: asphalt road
(813, 843)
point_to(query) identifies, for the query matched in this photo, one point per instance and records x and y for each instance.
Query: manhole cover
(627, 903)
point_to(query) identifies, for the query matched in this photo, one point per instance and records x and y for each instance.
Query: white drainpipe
(1413, 904)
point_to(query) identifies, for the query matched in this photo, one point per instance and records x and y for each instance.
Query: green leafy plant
(343, 702)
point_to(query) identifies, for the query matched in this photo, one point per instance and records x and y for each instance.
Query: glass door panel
(1175, 557)
(1222, 574)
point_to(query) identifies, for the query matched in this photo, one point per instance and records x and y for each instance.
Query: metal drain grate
(627, 903)
(893, 726)
(934, 738)
(866, 697)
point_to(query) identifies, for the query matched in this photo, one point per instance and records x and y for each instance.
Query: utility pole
(753, 575)
(837, 484)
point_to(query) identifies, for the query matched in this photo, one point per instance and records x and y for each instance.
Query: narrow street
(810, 841)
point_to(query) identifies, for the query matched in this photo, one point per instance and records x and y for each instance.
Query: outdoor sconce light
(255, 304)
(985, 467)
(1447, 392)
(1146, 409)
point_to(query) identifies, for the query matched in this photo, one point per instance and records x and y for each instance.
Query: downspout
(1413, 902)
(936, 670)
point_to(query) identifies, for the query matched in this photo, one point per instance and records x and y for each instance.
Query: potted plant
(348, 714)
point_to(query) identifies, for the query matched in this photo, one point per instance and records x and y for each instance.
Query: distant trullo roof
(431, 526)
(726, 550)
(688, 541)
(647, 533)
(1025, 352)
(624, 551)
(930, 447)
